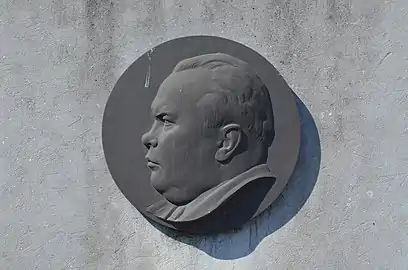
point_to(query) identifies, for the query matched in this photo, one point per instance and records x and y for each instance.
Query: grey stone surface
(346, 60)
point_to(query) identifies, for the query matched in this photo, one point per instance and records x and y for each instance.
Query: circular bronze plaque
(127, 117)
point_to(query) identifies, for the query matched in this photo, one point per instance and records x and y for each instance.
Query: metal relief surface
(201, 134)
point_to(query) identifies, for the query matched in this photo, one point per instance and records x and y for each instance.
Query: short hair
(241, 96)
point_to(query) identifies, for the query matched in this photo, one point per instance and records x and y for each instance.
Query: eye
(167, 122)
(163, 118)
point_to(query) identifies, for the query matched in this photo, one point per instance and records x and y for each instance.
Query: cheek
(182, 145)
(174, 141)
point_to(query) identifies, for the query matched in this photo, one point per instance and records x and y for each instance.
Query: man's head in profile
(213, 121)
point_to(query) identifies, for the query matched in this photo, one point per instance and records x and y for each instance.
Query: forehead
(182, 89)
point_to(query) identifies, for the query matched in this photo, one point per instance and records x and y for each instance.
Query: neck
(238, 165)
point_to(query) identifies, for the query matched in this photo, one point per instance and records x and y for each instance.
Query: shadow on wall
(243, 241)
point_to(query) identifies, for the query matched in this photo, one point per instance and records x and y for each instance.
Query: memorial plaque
(201, 134)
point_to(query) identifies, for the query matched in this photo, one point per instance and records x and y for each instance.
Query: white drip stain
(147, 79)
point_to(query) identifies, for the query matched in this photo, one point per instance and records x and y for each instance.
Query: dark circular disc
(127, 117)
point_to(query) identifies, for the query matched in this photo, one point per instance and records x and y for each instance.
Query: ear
(230, 140)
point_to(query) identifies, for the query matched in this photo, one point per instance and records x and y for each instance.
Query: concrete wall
(345, 59)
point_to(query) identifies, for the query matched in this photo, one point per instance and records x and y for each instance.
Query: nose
(149, 140)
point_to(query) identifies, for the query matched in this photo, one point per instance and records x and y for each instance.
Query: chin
(170, 193)
(176, 198)
(157, 184)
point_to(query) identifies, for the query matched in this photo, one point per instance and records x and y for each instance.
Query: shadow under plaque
(201, 134)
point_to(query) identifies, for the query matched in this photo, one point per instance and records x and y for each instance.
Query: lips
(152, 164)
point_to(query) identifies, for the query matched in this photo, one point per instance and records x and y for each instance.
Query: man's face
(181, 148)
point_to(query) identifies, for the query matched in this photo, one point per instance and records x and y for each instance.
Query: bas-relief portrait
(212, 125)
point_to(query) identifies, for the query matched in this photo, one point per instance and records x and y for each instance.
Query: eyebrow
(161, 114)
(165, 113)
(161, 111)
(154, 109)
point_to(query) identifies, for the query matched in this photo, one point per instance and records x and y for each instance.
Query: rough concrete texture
(347, 60)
